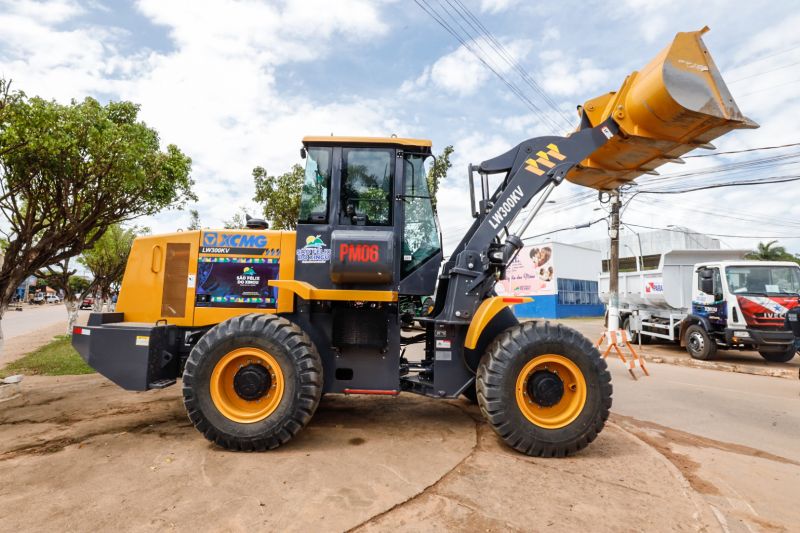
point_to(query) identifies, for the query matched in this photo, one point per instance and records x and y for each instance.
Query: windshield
(765, 280)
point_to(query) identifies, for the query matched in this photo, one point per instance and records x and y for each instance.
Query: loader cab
(366, 219)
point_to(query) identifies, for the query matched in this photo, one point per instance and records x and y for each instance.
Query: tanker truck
(712, 299)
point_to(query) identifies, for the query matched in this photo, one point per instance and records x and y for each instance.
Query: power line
(755, 181)
(716, 234)
(425, 6)
(765, 72)
(758, 149)
(509, 59)
(795, 47)
(771, 87)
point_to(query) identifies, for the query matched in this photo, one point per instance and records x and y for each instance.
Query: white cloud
(496, 6)
(461, 73)
(215, 94)
(569, 77)
(48, 12)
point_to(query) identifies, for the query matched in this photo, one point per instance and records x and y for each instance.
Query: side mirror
(302, 153)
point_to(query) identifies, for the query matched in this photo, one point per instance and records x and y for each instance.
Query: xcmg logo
(233, 240)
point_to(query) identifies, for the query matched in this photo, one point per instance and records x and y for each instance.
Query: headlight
(742, 334)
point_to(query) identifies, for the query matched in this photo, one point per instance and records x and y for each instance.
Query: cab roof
(368, 141)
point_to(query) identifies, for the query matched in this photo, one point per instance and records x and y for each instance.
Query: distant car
(53, 299)
(87, 303)
(38, 298)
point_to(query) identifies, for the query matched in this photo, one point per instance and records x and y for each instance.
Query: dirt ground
(77, 453)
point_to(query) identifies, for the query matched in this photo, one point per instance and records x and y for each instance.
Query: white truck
(709, 299)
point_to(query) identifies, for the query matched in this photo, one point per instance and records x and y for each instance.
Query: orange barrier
(617, 338)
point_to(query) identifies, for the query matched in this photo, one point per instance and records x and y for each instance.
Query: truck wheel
(252, 382)
(544, 389)
(781, 355)
(633, 336)
(699, 343)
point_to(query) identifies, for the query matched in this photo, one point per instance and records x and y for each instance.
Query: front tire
(252, 382)
(778, 356)
(699, 343)
(544, 389)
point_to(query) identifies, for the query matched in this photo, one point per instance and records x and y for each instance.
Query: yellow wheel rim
(229, 402)
(571, 403)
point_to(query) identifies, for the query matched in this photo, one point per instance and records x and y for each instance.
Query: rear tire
(699, 343)
(260, 409)
(778, 356)
(633, 336)
(536, 357)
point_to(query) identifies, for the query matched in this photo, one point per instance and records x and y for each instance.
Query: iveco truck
(712, 299)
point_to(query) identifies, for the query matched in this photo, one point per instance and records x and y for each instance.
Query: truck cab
(744, 305)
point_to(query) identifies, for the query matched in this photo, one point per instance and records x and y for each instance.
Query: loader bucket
(676, 103)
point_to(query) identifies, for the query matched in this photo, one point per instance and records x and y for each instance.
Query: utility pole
(613, 263)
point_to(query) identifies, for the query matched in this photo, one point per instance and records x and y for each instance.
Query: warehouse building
(561, 278)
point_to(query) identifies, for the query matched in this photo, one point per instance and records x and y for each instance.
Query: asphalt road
(32, 318)
(756, 411)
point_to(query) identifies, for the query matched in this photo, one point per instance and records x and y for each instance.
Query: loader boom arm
(534, 167)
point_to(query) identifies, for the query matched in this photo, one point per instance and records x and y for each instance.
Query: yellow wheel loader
(259, 324)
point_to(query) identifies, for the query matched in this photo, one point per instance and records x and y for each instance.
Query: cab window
(421, 231)
(367, 175)
(314, 195)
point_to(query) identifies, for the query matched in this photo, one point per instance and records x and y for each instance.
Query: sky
(237, 84)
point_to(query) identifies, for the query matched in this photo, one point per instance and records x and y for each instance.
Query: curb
(785, 373)
(689, 492)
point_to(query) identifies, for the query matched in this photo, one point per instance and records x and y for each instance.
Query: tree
(73, 287)
(106, 260)
(280, 196)
(237, 221)
(194, 220)
(769, 252)
(438, 172)
(68, 172)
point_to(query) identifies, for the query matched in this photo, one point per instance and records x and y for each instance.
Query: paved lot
(31, 319)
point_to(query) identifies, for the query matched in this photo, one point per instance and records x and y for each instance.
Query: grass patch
(57, 358)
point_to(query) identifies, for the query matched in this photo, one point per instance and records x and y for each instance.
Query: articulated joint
(502, 254)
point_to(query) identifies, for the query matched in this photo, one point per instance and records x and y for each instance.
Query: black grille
(793, 320)
(359, 327)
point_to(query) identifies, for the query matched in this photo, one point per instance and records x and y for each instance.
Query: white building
(561, 278)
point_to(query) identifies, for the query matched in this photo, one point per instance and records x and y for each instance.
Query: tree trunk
(72, 314)
(2, 337)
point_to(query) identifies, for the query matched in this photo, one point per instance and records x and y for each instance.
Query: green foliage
(280, 196)
(769, 252)
(57, 358)
(69, 172)
(438, 172)
(194, 220)
(106, 260)
(237, 221)
(78, 284)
